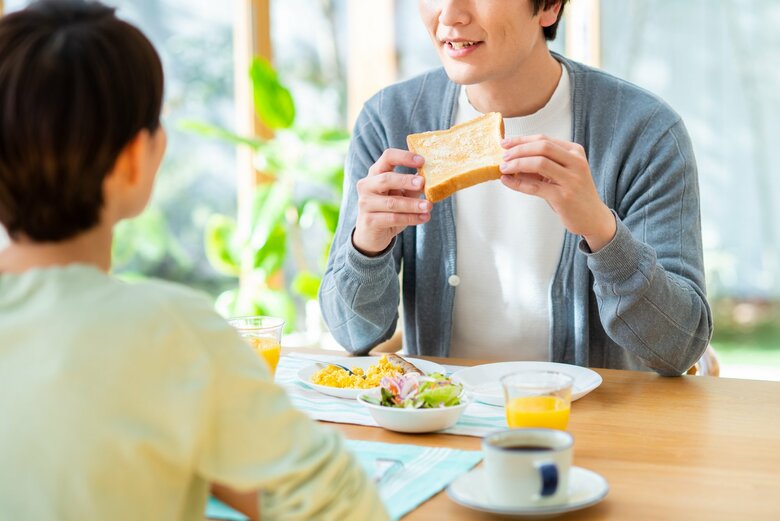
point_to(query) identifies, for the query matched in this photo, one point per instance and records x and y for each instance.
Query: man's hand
(558, 172)
(388, 201)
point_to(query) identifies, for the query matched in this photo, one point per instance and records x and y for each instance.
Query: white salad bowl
(415, 420)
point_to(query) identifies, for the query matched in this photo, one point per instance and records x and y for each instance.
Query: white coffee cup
(527, 467)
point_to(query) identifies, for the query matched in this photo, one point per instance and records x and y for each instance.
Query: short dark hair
(551, 31)
(77, 84)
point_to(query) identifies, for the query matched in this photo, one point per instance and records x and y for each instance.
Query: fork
(326, 364)
(385, 467)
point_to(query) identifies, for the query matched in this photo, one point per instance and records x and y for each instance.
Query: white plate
(305, 374)
(483, 381)
(586, 488)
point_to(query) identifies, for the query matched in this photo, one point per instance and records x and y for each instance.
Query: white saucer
(586, 488)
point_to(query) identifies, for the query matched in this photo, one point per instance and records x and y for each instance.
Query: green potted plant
(295, 207)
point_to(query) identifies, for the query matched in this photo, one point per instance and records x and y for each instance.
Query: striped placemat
(477, 420)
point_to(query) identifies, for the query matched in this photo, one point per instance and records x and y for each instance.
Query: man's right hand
(388, 201)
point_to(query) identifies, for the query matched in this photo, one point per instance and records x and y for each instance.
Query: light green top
(124, 401)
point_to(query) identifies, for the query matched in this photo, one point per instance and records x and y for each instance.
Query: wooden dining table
(692, 447)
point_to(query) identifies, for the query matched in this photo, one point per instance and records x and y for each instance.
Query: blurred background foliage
(279, 248)
(197, 177)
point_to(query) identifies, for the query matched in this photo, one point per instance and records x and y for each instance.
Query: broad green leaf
(269, 160)
(335, 178)
(307, 285)
(270, 257)
(270, 208)
(226, 302)
(335, 134)
(146, 236)
(319, 210)
(276, 304)
(212, 131)
(330, 215)
(261, 195)
(131, 276)
(221, 250)
(324, 135)
(273, 102)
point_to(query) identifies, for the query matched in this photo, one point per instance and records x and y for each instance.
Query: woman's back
(125, 401)
(105, 389)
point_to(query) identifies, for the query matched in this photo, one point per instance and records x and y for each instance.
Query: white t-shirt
(508, 247)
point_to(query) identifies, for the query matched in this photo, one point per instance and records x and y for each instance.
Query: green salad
(415, 391)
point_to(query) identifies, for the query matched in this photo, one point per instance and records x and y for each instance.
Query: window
(713, 62)
(194, 39)
(310, 53)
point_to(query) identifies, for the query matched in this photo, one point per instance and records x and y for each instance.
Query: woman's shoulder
(172, 300)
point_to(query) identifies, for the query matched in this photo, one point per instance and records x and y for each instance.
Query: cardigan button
(454, 280)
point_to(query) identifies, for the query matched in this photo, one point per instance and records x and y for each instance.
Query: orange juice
(268, 349)
(549, 412)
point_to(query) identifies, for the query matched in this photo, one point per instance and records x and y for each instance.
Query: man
(588, 251)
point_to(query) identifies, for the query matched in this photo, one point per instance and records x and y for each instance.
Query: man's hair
(76, 86)
(551, 31)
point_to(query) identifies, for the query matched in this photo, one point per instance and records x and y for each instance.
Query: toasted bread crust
(446, 188)
(488, 127)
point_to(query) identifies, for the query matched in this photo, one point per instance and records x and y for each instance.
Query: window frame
(372, 61)
(251, 37)
(583, 31)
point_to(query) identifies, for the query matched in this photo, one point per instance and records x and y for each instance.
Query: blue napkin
(421, 473)
(407, 475)
(216, 509)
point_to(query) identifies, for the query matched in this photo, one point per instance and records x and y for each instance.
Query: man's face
(484, 40)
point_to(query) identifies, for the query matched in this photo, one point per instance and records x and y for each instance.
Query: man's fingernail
(418, 159)
(504, 142)
(506, 155)
(417, 181)
(424, 205)
(503, 167)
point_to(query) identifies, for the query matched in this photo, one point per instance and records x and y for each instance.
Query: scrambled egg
(333, 376)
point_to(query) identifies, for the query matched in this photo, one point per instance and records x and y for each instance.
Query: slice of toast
(467, 154)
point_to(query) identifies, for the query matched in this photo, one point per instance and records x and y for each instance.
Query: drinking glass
(264, 334)
(537, 399)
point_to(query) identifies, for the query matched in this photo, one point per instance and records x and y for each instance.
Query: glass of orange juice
(537, 399)
(264, 334)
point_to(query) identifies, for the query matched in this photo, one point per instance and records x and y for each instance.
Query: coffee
(527, 467)
(525, 448)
